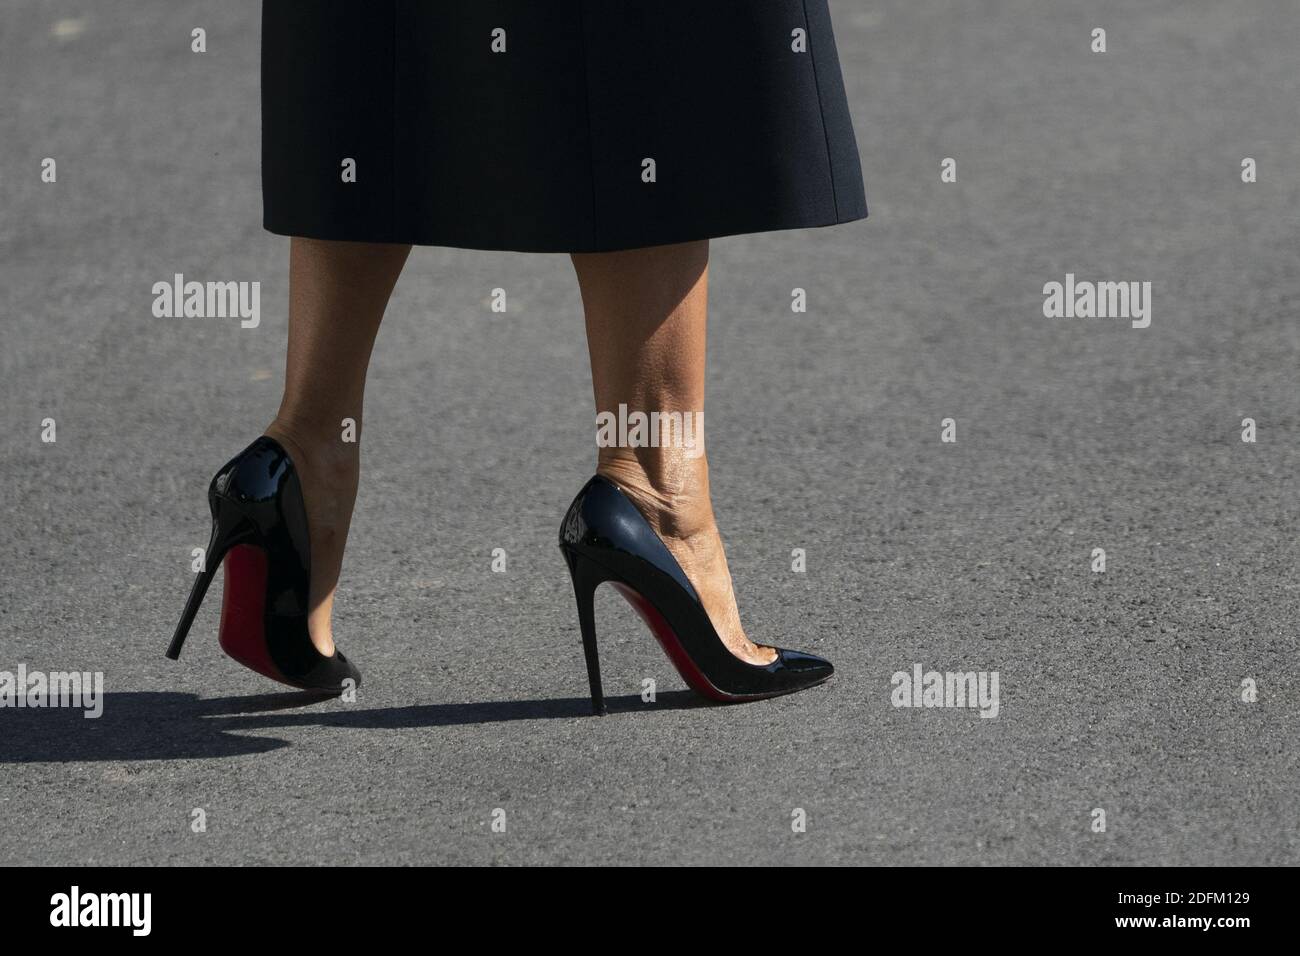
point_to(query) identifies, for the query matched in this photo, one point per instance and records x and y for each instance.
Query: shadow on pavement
(173, 726)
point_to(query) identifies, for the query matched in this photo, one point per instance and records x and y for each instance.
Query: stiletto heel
(585, 578)
(605, 538)
(197, 593)
(224, 534)
(259, 535)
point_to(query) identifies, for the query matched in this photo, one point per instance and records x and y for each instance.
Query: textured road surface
(1120, 691)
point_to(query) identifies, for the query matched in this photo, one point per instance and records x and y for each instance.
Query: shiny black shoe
(259, 532)
(605, 538)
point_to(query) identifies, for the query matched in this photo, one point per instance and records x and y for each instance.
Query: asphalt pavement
(1161, 690)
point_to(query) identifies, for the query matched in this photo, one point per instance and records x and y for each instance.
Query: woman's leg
(337, 295)
(646, 312)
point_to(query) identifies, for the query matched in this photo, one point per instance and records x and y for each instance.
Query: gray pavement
(1119, 690)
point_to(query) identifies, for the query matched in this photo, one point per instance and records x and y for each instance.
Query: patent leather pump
(259, 533)
(605, 538)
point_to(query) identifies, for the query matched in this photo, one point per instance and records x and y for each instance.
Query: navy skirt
(553, 125)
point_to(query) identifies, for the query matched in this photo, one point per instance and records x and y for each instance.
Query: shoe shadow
(147, 725)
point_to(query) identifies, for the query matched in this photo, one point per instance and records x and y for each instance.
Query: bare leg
(337, 295)
(646, 312)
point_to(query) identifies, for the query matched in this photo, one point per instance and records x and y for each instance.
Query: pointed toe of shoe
(345, 671)
(353, 673)
(804, 670)
(332, 675)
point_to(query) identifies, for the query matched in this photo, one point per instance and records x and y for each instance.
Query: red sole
(243, 608)
(672, 646)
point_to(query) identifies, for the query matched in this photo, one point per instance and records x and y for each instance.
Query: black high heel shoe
(259, 531)
(605, 538)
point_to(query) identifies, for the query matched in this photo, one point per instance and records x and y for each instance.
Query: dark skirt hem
(505, 245)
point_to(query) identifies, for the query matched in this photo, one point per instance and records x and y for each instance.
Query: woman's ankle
(670, 489)
(324, 455)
